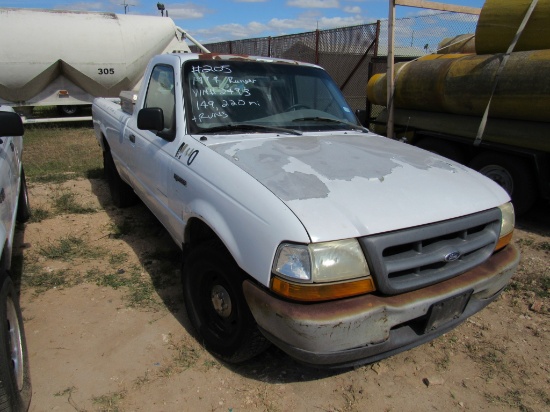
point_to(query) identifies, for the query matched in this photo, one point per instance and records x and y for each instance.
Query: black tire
(443, 148)
(68, 110)
(15, 383)
(23, 205)
(513, 174)
(216, 306)
(121, 193)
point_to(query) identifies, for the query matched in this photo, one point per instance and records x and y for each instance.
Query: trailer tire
(513, 174)
(216, 306)
(443, 148)
(69, 110)
(121, 193)
(15, 384)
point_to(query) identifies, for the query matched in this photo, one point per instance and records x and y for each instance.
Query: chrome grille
(413, 258)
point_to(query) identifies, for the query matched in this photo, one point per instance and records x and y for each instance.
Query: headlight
(321, 262)
(507, 224)
(321, 271)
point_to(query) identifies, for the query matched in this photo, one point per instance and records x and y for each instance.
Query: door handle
(180, 179)
(132, 138)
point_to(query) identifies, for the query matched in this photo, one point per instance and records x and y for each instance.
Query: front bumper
(367, 328)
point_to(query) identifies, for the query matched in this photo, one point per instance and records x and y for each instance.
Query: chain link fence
(416, 37)
(351, 55)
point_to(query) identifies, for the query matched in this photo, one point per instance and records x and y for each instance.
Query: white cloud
(275, 27)
(187, 11)
(352, 10)
(82, 6)
(314, 4)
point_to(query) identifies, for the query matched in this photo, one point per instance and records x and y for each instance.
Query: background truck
(295, 221)
(67, 58)
(440, 100)
(15, 384)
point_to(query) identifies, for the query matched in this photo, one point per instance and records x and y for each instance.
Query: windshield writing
(221, 93)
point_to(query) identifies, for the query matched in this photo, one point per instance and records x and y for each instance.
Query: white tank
(53, 57)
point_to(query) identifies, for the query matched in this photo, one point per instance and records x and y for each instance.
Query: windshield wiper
(236, 127)
(329, 120)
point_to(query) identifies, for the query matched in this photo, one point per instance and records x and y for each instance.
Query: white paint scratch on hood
(355, 184)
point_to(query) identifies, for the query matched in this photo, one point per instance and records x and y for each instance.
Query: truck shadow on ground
(162, 259)
(536, 220)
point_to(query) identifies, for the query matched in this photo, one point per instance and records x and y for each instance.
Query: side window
(160, 93)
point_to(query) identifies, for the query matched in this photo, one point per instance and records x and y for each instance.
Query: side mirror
(151, 119)
(10, 124)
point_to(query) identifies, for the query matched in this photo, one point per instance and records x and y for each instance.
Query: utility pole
(126, 6)
(390, 70)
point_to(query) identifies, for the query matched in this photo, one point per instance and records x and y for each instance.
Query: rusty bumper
(368, 328)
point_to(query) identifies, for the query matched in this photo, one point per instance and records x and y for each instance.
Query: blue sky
(220, 20)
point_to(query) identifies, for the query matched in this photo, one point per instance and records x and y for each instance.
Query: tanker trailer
(67, 58)
(440, 100)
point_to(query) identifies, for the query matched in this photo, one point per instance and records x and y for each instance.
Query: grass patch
(512, 398)
(61, 153)
(140, 290)
(124, 228)
(116, 259)
(44, 281)
(65, 202)
(39, 214)
(109, 402)
(69, 248)
(540, 285)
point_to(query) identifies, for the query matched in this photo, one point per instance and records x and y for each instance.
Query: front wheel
(15, 384)
(216, 306)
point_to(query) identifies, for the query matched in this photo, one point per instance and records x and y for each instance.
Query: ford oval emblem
(451, 257)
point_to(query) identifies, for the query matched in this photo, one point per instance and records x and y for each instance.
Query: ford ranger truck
(300, 227)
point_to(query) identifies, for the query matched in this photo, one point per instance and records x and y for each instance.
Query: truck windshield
(232, 96)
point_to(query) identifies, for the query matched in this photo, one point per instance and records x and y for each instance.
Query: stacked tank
(68, 57)
(449, 93)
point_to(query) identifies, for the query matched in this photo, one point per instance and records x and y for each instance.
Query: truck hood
(356, 184)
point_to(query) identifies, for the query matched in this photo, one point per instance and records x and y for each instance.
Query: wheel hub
(499, 175)
(221, 301)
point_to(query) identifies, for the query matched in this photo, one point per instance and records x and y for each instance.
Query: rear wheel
(513, 174)
(216, 306)
(121, 193)
(15, 385)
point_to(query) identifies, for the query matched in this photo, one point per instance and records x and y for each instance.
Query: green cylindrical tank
(534, 135)
(500, 19)
(463, 43)
(462, 84)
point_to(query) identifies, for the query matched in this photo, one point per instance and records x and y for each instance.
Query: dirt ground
(107, 329)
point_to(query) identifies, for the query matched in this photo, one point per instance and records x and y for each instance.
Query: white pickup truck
(298, 226)
(15, 384)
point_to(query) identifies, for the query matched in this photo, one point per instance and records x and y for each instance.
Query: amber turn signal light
(503, 241)
(321, 292)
